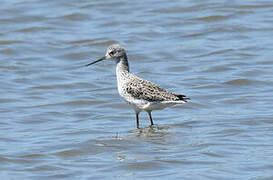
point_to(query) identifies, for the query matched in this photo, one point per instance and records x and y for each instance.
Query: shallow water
(60, 120)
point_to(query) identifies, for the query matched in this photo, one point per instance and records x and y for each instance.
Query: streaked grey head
(114, 52)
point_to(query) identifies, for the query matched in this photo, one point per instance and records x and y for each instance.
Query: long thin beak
(96, 61)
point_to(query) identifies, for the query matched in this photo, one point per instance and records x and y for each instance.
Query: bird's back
(142, 89)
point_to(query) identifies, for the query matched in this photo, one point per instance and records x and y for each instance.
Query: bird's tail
(182, 97)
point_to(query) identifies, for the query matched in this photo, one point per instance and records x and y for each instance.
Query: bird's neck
(122, 73)
(122, 65)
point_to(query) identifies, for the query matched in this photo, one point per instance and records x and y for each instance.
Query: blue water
(61, 120)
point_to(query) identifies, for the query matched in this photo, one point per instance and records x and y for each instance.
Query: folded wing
(143, 89)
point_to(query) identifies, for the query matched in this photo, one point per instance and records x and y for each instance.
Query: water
(60, 120)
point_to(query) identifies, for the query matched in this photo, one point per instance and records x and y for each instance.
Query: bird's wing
(143, 89)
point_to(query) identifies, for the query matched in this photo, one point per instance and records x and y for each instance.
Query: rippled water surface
(60, 120)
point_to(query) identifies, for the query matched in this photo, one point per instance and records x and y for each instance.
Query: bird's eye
(111, 53)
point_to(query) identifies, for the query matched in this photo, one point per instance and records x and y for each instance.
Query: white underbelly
(143, 105)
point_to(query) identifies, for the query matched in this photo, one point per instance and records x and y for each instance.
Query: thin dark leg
(137, 121)
(150, 116)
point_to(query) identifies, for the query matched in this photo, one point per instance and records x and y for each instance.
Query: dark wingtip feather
(182, 97)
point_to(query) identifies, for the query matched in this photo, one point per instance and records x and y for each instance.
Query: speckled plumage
(146, 90)
(139, 93)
